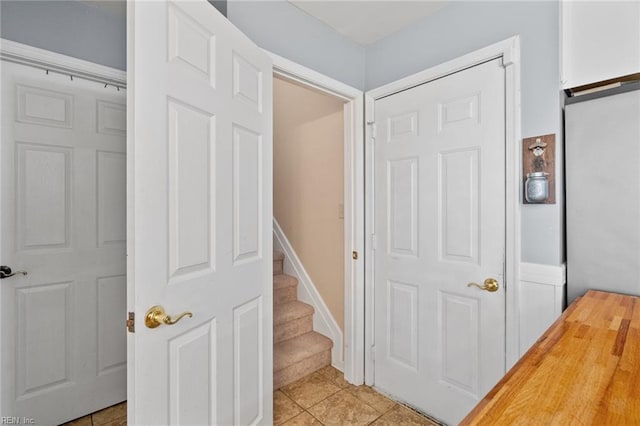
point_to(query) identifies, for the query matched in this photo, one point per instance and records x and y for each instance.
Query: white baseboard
(542, 299)
(323, 321)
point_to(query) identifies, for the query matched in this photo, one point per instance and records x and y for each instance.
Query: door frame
(354, 214)
(509, 51)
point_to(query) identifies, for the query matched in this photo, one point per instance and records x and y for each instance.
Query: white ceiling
(367, 21)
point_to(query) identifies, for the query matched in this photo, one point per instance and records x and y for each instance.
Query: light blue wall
(462, 27)
(73, 28)
(82, 30)
(282, 28)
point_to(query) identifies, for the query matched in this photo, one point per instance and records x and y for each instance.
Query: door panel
(248, 367)
(403, 207)
(192, 370)
(62, 164)
(440, 218)
(458, 200)
(200, 232)
(459, 340)
(402, 334)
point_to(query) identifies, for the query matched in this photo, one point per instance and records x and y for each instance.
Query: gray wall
(462, 27)
(82, 30)
(282, 28)
(221, 5)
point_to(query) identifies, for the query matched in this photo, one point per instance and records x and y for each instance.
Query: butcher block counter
(585, 370)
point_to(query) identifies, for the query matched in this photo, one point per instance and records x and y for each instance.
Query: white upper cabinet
(600, 40)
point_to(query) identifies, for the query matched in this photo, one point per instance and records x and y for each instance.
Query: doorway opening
(345, 211)
(308, 206)
(439, 170)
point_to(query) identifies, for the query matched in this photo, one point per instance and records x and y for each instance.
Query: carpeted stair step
(291, 320)
(299, 357)
(285, 289)
(278, 262)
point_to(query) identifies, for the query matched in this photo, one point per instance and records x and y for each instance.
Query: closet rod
(63, 70)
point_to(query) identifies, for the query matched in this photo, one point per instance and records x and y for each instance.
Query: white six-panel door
(200, 214)
(440, 224)
(63, 169)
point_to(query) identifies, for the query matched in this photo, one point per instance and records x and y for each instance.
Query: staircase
(297, 350)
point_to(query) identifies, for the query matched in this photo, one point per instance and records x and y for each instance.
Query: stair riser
(300, 369)
(285, 295)
(277, 267)
(291, 329)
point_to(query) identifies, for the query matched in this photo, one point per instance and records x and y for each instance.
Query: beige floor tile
(335, 375)
(118, 422)
(284, 408)
(344, 408)
(310, 390)
(303, 419)
(110, 414)
(378, 401)
(82, 421)
(403, 416)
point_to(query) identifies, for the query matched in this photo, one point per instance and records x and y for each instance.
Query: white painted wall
(308, 184)
(600, 40)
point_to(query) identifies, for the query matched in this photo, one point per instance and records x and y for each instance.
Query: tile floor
(323, 398)
(115, 415)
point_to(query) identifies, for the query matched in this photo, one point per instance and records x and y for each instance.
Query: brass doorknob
(490, 284)
(156, 316)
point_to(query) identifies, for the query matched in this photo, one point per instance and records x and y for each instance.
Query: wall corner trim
(542, 299)
(323, 321)
(555, 275)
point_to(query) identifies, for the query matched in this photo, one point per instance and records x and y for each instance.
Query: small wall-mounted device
(538, 169)
(536, 187)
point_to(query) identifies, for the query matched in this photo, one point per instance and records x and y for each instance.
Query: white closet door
(63, 220)
(440, 224)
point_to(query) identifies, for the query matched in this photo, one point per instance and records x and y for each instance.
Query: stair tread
(278, 255)
(291, 311)
(283, 281)
(299, 348)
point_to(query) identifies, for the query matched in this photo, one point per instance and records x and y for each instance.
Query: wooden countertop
(585, 370)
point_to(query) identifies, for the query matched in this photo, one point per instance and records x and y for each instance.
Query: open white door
(199, 217)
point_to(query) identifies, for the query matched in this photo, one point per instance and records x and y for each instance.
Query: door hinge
(374, 129)
(354, 255)
(131, 323)
(374, 242)
(373, 353)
